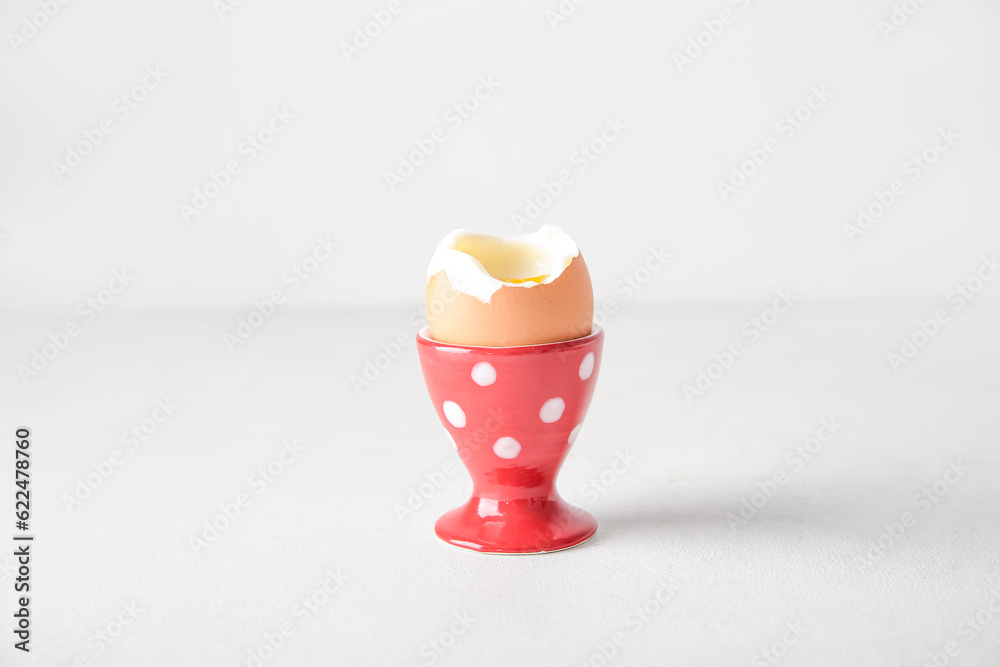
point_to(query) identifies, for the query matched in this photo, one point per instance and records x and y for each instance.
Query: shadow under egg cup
(512, 414)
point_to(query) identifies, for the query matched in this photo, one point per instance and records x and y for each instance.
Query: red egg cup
(512, 414)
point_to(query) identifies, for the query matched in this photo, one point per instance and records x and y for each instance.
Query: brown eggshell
(547, 313)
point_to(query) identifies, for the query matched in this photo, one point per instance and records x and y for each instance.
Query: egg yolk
(536, 279)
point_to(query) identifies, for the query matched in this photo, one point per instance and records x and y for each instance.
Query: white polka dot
(507, 448)
(574, 433)
(454, 413)
(484, 374)
(587, 366)
(552, 410)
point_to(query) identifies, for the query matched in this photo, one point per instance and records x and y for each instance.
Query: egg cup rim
(596, 333)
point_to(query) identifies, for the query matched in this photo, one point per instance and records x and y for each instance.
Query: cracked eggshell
(516, 313)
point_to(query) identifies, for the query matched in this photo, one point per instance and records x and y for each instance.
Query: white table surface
(728, 592)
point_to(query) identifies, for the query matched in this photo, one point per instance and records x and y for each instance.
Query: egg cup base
(517, 527)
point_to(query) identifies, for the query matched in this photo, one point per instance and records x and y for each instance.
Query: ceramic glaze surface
(513, 413)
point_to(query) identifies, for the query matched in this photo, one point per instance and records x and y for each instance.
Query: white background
(657, 184)
(371, 439)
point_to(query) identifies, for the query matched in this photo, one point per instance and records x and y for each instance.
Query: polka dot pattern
(507, 448)
(552, 410)
(500, 404)
(484, 374)
(454, 413)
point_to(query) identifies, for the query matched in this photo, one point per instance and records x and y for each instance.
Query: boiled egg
(501, 291)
